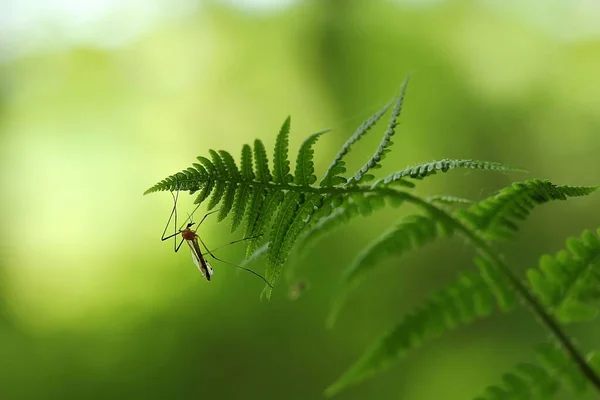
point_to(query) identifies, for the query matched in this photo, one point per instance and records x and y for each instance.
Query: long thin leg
(234, 242)
(175, 198)
(237, 266)
(179, 245)
(173, 211)
(203, 218)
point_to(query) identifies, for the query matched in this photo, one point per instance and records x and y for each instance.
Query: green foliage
(448, 200)
(409, 233)
(569, 282)
(337, 166)
(540, 380)
(278, 203)
(386, 142)
(415, 230)
(305, 168)
(284, 211)
(459, 302)
(498, 216)
(281, 164)
(430, 168)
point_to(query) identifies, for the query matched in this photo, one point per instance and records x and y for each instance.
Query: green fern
(337, 167)
(471, 296)
(415, 231)
(569, 282)
(386, 142)
(459, 302)
(474, 295)
(284, 211)
(305, 169)
(430, 168)
(448, 200)
(281, 164)
(542, 380)
(499, 215)
(275, 202)
(409, 233)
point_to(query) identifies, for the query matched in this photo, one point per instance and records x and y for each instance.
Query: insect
(191, 237)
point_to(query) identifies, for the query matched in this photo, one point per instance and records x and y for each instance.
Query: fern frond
(498, 216)
(305, 169)
(424, 170)
(219, 164)
(472, 296)
(217, 195)
(281, 225)
(228, 200)
(569, 282)
(529, 381)
(554, 358)
(448, 200)
(262, 163)
(281, 245)
(269, 207)
(253, 213)
(541, 380)
(342, 211)
(409, 233)
(208, 165)
(242, 198)
(460, 302)
(246, 164)
(340, 216)
(281, 164)
(337, 166)
(386, 142)
(498, 283)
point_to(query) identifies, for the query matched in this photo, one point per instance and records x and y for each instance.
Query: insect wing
(209, 268)
(198, 262)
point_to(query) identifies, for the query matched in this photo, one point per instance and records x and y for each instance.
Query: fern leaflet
(569, 282)
(460, 302)
(431, 168)
(386, 142)
(541, 380)
(281, 164)
(499, 215)
(305, 169)
(337, 166)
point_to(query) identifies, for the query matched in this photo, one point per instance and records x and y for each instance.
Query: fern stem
(548, 320)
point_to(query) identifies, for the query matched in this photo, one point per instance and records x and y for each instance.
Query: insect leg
(173, 213)
(232, 264)
(203, 218)
(234, 242)
(178, 246)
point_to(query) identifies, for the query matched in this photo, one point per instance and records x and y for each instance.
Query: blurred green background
(101, 99)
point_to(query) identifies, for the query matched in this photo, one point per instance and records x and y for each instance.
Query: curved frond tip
(337, 166)
(424, 170)
(386, 142)
(498, 216)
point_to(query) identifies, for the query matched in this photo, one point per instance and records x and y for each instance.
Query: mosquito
(191, 237)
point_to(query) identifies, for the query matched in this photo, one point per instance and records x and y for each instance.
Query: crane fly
(191, 237)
